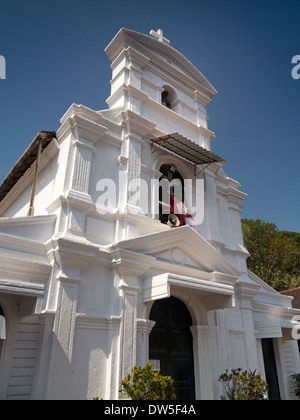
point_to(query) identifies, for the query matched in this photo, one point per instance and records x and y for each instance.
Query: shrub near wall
(297, 383)
(146, 384)
(243, 385)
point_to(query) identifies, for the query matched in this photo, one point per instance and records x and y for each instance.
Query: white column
(211, 211)
(39, 390)
(202, 361)
(246, 293)
(113, 362)
(63, 337)
(144, 328)
(126, 281)
(85, 133)
(128, 333)
(82, 167)
(135, 128)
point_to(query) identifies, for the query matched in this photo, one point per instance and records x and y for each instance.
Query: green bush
(146, 384)
(297, 383)
(243, 385)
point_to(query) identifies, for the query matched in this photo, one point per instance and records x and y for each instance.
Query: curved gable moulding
(159, 51)
(143, 68)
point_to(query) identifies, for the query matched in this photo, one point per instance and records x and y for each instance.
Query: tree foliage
(243, 385)
(297, 384)
(146, 384)
(274, 254)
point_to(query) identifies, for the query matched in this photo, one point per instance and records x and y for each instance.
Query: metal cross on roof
(160, 36)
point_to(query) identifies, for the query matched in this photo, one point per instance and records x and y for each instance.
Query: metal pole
(31, 208)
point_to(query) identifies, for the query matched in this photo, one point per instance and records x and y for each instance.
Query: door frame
(170, 327)
(202, 334)
(269, 345)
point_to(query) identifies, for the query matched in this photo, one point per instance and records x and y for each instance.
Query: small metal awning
(186, 148)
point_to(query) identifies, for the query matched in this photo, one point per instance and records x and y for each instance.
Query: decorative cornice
(170, 59)
(27, 246)
(275, 309)
(23, 288)
(135, 57)
(98, 124)
(23, 277)
(129, 263)
(27, 221)
(161, 55)
(246, 292)
(171, 76)
(215, 295)
(233, 195)
(145, 325)
(136, 123)
(96, 322)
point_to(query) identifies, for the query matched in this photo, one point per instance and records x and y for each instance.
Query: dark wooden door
(171, 343)
(270, 368)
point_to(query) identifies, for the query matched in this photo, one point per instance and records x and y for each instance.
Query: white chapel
(100, 272)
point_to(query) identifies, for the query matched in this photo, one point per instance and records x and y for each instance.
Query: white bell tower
(156, 91)
(155, 81)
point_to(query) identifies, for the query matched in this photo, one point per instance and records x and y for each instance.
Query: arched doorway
(171, 343)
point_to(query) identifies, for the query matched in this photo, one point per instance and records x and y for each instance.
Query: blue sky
(54, 52)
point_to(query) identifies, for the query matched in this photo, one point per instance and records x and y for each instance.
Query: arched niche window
(171, 196)
(2, 329)
(168, 97)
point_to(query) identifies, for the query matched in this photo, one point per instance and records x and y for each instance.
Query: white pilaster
(211, 210)
(39, 390)
(202, 360)
(246, 292)
(62, 344)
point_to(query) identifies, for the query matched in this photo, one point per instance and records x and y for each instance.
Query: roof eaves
(25, 161)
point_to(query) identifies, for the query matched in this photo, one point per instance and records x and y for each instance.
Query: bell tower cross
(160, 36)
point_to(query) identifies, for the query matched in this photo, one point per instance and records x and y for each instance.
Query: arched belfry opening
(171, 196)
(171, 344)
(168, 97)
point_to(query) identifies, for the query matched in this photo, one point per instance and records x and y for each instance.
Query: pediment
(266, 294)
(179, 255)
(181, 247)
(165, 54)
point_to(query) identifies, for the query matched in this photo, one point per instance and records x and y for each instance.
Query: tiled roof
(296, 294)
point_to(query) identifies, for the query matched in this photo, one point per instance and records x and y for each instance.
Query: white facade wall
(77, 286)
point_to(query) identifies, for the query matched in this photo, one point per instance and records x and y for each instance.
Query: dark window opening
(171, 196)
(169, 97)
(270, 368)
(171, 345)
(164, 99)
(2, 330)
